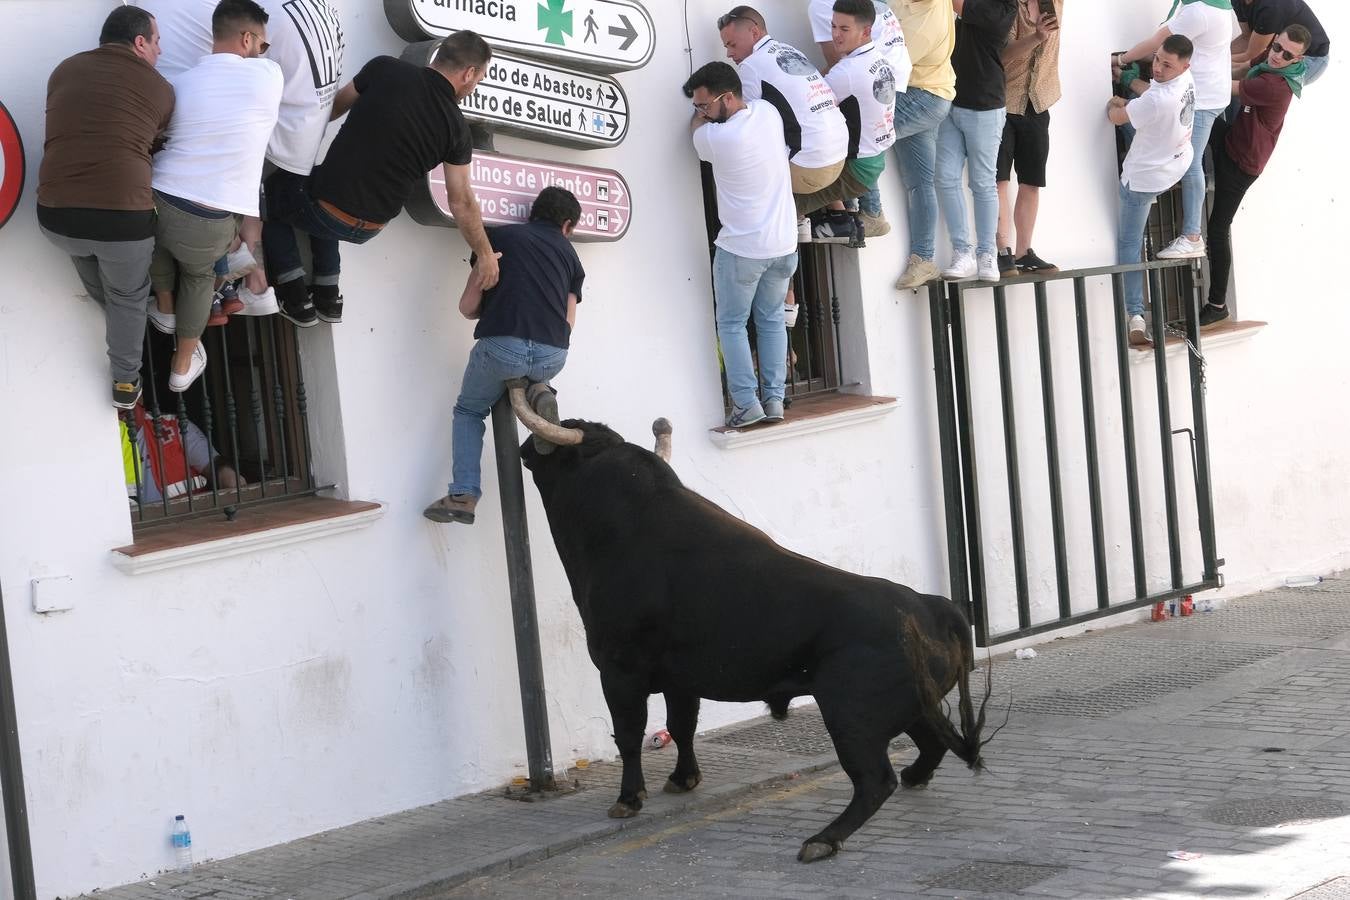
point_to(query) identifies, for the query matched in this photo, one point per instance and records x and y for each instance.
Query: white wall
(311, 686)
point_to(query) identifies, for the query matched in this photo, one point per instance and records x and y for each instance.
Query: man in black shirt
(524, 327)
(1261, 20)
(404, 121)
(971, 135)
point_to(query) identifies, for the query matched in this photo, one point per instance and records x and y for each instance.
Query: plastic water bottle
(1302, 580)
(182, 845)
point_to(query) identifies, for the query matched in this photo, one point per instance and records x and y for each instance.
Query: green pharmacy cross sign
(598, 35)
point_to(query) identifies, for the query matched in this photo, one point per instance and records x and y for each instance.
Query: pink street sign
(507, 185)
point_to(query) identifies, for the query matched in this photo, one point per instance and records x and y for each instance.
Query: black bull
(682, 599)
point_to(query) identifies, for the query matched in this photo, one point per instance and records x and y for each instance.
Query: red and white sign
(11, 165)
(507, 185)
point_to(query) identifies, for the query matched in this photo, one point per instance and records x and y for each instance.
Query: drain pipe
(11, 778)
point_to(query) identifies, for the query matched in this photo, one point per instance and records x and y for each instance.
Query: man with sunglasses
(757, 244)
(1242, 150)
(1262, 20)
(206, 177)
(405, 121)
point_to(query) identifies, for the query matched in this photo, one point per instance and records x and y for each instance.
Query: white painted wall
(311, 686)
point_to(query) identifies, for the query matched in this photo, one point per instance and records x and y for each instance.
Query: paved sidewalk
(1223, 735)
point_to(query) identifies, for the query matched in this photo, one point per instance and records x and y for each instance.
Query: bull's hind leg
(681, 721)
(931, 751)
(628, 709)
(861, 743)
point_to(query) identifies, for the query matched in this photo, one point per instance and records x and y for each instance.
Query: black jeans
(1230, 186)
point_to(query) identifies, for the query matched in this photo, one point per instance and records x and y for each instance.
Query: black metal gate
(964, 352)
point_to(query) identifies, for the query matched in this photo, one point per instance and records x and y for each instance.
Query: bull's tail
(956, 651)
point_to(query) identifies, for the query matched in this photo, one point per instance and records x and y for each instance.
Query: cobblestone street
(1222, 735)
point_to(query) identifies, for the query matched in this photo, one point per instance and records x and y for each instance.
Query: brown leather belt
(349, 220)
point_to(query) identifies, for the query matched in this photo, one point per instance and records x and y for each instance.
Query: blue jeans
(1193, 182)
(1134, 206)
(918, 114)
(493, 362)
(1315, 66)
(746, 287)
(289, 207)
(970, 137)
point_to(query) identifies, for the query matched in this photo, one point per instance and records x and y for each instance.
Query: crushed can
(658, 739)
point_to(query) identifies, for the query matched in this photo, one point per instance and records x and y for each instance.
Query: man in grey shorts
(106, 110)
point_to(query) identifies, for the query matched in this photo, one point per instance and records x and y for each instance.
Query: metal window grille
(251, 408)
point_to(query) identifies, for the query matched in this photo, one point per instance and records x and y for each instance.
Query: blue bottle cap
(178, 818)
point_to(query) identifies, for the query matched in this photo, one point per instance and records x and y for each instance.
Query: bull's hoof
(814, 850)
(682, 785)
(912, 779)
(621, 810)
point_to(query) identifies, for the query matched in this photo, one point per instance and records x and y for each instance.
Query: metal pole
(11, 778)
(520, 574)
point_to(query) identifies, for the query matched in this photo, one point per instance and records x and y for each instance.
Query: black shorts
(1026, 146)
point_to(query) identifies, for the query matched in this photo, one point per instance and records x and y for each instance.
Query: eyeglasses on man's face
(703, 107)
(262, 44)
(1277, 48)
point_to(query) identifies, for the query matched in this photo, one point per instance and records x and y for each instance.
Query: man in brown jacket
(106, 110)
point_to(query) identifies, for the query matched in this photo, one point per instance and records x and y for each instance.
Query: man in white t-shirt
(864, 89)
(757, 244)
(308, 44)
(1160, 153)
(886, 34)
(207, 175)
(813, 129)
(1210, 26)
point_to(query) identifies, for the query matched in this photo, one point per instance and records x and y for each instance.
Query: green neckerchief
(1217, 4)
(1292, 73)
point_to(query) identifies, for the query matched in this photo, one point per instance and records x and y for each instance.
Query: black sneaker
(1032, 264)
(294, 304)
(835, 226)
(327, 302)
(126, 393)
(1212, 314)
(1007, 266)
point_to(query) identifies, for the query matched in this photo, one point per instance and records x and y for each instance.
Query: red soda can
(658, 739)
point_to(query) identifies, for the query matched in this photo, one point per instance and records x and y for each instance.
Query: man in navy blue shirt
(524, 327)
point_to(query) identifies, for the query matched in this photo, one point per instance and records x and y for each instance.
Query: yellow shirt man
(930, 35)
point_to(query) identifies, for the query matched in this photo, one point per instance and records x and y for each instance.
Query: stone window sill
(267, 526)
(1231, 332)
(809, 415)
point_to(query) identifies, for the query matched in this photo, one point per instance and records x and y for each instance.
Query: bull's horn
(661, 428)
(554, 434)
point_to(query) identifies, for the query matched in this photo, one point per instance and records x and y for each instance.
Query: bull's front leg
(627, 701)
(681, 722)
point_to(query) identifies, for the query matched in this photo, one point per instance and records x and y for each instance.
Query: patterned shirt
(1033, 75)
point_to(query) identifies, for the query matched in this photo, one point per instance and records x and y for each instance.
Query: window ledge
(254, 528)
(808, 415)
(1219, 336)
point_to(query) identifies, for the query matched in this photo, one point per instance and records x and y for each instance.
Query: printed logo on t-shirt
(883, 85)
(318, 26)
(793, 62)
(1188, 108)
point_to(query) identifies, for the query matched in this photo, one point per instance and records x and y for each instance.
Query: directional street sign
(507, 185)
(600, 35)
(541, 101)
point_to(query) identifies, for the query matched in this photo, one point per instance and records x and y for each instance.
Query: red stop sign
(11, 151)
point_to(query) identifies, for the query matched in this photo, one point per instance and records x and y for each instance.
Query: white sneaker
(165, 322)
(239, 263)
(986, 267)
(790, 315)
(962, 266)
(1138, 332)
(804, 230)
(264, 304)
(196, 366)
(1183, 248)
